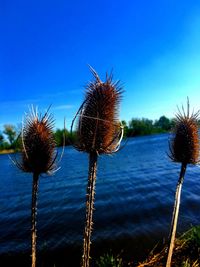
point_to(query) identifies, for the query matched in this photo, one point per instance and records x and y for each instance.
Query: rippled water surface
(134, 197)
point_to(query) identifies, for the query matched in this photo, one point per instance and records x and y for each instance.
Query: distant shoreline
(7, 151)
(11, 151)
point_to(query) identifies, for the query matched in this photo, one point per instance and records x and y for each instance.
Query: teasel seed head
(98, 127)
(38, 151)
(184, 145)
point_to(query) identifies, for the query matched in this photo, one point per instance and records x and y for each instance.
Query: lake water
(134, 197)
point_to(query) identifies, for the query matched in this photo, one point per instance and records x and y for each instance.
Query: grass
(186, 252)
(108, 260)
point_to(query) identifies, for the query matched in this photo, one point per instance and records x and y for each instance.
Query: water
(134, 197)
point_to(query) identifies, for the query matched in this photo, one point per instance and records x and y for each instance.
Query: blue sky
(152, 46)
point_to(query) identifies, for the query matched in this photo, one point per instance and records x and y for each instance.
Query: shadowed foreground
(186, 252)
(129, 249)
(133, 252)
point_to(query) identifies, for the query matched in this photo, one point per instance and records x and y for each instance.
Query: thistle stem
(89, 208)
(175, 214)
(33, 217)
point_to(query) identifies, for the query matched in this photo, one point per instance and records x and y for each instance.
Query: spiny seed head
(184, 145)
(98, 128)
(38, 153)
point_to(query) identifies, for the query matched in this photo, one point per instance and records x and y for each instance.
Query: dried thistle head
(98, 128)
(184, 145)
(38, 152)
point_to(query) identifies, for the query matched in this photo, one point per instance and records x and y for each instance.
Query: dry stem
(33, 217)
(89, 208)
(175, 214)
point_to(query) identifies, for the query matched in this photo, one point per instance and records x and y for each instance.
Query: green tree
(1, 139)
(63, 137)
(10, 132)
(140, 127)
(2, 142)
(59, 137)
(164, 123)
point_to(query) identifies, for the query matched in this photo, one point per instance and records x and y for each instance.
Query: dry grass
(186, 252)
(7, 151)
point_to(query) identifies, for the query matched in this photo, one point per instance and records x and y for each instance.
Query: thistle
(184, 148)
(98, 132)
(38, 156)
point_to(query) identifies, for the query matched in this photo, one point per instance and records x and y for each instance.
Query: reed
(184, 148)
(38, 156)
(98, 132)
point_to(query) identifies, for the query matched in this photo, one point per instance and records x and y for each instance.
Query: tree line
(144, 126)
(9, 137)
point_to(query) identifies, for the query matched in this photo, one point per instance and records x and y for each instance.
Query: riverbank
(119, 253)
(11, 151)
(186, 252)
(129, 249)
(7, 151)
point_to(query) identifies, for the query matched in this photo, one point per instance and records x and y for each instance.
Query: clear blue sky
(152, 46)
